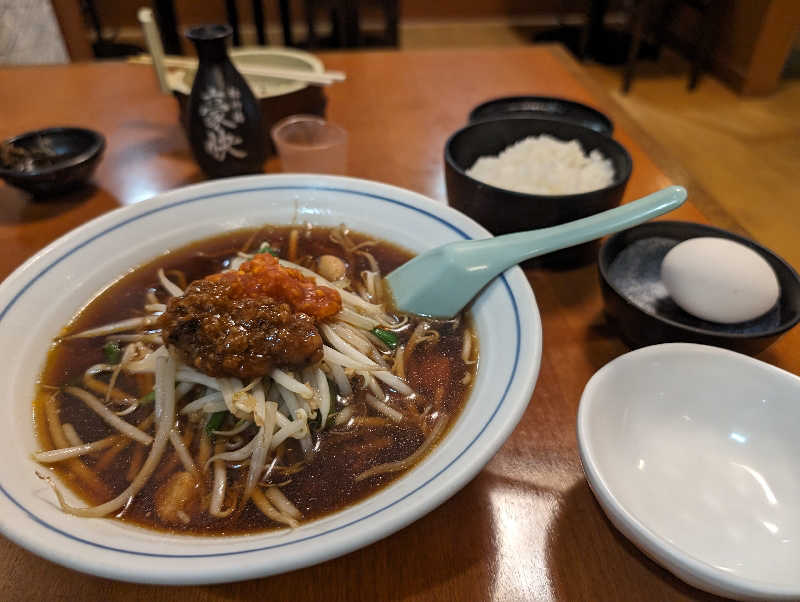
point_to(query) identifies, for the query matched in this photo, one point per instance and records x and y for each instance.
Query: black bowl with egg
(636, 301)
(503, 211)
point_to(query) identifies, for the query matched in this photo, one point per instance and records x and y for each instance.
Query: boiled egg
(719, 280)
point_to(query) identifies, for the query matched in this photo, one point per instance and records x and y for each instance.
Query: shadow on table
(153, 141)
(169, 145)
(770, 356)
(159, 142)
(425, 558)
(18, 206)
(589, 559)
(568, 287)
(603, 341)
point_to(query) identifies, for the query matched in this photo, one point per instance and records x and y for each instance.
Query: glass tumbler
(309, 144)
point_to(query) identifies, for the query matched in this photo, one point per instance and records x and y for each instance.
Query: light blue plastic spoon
(440, 282)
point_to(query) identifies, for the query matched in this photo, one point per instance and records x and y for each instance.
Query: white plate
(694, 454)
(43, 294)
(180, 80)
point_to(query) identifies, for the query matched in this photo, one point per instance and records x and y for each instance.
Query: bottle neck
(209, 40)
(211, 50)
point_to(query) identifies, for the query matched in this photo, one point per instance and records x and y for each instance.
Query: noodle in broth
(154, 410)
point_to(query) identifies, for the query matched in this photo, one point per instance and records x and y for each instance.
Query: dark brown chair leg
(391, 9)
(637, 30)
(233, 20)
(665, 16)
(702, 47)
(583, 41)
(286, 22)
(350, 23)
(168, 26)
(342, 25)
(258, 17)
(595, 27)
(310, 7)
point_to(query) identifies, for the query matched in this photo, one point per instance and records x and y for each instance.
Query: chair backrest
(345, 16)
(168, 23)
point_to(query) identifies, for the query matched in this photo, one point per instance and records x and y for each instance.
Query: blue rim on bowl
(130, 235)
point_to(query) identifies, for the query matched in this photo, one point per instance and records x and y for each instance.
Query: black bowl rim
(96, 147)
(448, 157)
(603, 263)
(602, 118)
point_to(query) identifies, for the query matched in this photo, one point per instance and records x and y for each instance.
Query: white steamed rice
(544, 165)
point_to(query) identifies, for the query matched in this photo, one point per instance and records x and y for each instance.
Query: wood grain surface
(527, 527)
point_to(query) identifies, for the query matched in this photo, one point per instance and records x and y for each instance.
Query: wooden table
(527, 527)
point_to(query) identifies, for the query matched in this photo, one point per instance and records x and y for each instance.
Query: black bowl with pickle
(51, 161)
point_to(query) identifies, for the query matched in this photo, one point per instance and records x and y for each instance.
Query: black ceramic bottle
(225, 127)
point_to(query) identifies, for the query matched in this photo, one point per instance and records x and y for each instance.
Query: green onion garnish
(151, 396)
(215, 421)
(265, 248)
(112, 352)
(386, 336)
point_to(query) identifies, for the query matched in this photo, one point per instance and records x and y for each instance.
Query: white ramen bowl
(40, 297)
(692, 451)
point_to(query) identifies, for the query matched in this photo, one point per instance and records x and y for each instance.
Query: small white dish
(693, 452)
(47, 290)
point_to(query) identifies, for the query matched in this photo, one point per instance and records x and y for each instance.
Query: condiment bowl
(637, 302)
(504, 211)
(51, 161)
(505, 317)
(692, 452)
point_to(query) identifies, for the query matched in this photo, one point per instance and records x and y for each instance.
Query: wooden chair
(656, 15)
(168, 23)
(345, 18)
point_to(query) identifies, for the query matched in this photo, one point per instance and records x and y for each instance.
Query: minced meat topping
(245, 322)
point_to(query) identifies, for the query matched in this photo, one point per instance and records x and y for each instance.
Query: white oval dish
(45, 292)
(181, 79)
(692, 451)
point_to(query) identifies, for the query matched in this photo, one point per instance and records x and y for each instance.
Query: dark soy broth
(317, 484)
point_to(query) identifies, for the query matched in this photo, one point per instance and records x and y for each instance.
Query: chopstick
(153, 40)
(308, 77)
